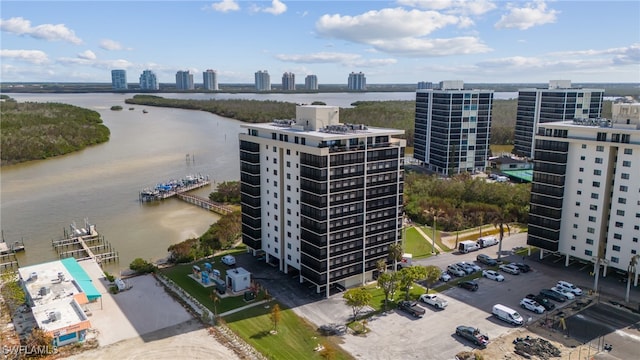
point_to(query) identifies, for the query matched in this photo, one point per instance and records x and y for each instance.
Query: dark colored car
(469, 285)
(524, 268)
(412, 308)
(550, 294)
(546, 304)
(487, 260)
(472, 334)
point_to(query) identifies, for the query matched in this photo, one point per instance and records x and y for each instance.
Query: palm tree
(435, 212)
(458, 221)
(395, 253)
(381, 266)
(501, 219)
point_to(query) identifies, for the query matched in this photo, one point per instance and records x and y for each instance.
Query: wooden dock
(85, 244)
(217, 208)
(173, 188)
(8, 262)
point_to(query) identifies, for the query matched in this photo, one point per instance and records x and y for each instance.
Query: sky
(391, 42)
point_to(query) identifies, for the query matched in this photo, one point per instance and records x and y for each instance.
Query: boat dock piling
(8, 261)
(75, 244)
(205, 203)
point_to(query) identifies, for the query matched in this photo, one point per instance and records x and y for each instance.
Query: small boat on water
(144, 111)
(18, 246)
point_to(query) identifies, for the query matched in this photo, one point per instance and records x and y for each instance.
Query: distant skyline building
(453, 128)
(585, 194)
(210, 80)
(558, 102)
(357, 82)
(184, 80)
(148, 81)
(119, 80)
(262, 80)
(423, 85)
(311, 82)
(288, 81)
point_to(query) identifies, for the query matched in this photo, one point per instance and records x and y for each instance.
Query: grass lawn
(377, 296)
(296, 339)
(179, 275)
(416, 245)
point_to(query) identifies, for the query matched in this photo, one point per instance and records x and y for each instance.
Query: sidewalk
(422, 233)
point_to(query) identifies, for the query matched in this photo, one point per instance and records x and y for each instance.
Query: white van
(507, 314)
(487, 241)
(228, 260)
(467, 246)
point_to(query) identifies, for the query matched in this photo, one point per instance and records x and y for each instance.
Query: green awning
(82, 278)
(522, 175)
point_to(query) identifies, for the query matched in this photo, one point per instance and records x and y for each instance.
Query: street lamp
(631, 270)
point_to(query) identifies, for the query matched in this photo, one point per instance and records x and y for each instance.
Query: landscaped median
(294, 339)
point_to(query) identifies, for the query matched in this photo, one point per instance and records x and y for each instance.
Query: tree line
(32, 131)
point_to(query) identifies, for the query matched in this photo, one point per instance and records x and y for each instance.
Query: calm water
(41, 198)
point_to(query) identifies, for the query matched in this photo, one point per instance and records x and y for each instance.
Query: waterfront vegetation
(32, 131)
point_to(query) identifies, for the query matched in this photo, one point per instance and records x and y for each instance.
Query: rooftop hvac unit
(61, 276)
(55, 316)
(44, 290)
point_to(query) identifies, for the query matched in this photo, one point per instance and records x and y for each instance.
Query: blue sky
(402, 41)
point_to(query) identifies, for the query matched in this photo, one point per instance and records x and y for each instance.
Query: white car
(566, 293)
(228, 260)
(531, 305)
(569, 286)
(473, 266)
(468, 269)
(509, 268)
(455, 270)
(492, 275)
(433, 300)
(445, 277)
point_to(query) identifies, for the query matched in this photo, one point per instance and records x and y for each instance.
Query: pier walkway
(78, 241)
(205, 203)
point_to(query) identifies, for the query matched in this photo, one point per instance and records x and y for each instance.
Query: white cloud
(110, 45)
(335, 58)
(31, 56)
(476, 7)
(277, 7)
(225, 6)
(533, 14)
(87, 55)
(49, 32)
(414, 47)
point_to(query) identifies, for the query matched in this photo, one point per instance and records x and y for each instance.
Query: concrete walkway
(424, 235)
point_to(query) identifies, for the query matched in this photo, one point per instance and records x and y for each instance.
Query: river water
(39, 199)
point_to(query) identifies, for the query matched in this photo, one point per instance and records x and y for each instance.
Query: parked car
(466, 267)
(473, 266)
(492, 275)
(487, 260)
(569, 286)
(507, 314)
(548, 305)
(445, 277)
(531, 305)
(412, 308)
(510, 268)
(472, 334)
(433, 300)
(524, 268)
(455, 270)
(553, 295)
(566, 293)
(469, 285)
(228, 260)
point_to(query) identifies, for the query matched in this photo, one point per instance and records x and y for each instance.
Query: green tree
(388, 282)
(409, 275)
(226, 192)
(142, 266)
(432, 274)
(39, 339)
(12, 292)
(381, 266)
(275, 316)
(357, 299)
(500, 219)
(395, 254)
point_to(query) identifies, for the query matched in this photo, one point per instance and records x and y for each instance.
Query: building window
(288, 256)
(593, 207)
(617, 236)
(615, 248)
(575, 226)
(274, 136)
(579, 181)
(275, 149)
(622, 200)
(619, 224)
(289, 236)
(600, 148)
(598, 160)
(574, 237)
(275, 172)
(573, 248)
(602, 136)
(628, 151)
(579, 192)
(614, 259)
(288, 222)
(590, 241)
(623, 188)
(635, 239)
(275, 161)
(584, 146)
(289, 176)
(620, 212)
(624, 176)
(288, 199)
(275, 206)
(597, 172)
(576, 215)
(288, 153)
(288, 187)
(582, 157)
(596, 184)
(588, 252)
(577, 203)
(288, 211)
(591, 230)
(288, 162)
(594, 195)
(592, 219)
(275, 183)
(581, 169)
(626, 163)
